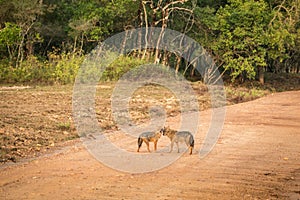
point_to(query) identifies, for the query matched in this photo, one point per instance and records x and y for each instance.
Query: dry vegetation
(38, 118)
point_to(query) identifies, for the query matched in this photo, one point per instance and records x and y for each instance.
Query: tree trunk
(177, 64)
(261, 77)
(165, 60)
(123, 47)
(75, 44)
(20, 55)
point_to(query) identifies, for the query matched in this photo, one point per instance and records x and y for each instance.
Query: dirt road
(257, 157)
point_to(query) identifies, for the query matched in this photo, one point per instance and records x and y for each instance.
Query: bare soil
(257, 157)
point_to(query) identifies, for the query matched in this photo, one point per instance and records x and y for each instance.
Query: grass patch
(64, 126)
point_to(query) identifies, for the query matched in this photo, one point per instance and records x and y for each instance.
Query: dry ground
(257, 157)
(36, 119)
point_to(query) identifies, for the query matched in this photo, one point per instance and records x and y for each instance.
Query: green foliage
(30, 70)
(247, 36)
(64, 126)
(238, 94)
(282, 32)
(10, 34)
(9, 39)
(65, 67)
(242, 39)
(95, 20)
(120, 66)
(61, 69)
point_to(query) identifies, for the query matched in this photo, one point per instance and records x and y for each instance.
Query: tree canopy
(245, 37)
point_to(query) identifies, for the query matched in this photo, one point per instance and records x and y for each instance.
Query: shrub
(119, 67)
(60, 69)
(66, 68)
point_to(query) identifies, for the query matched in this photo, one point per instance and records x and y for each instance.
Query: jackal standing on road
(179, 136)
(149, 137)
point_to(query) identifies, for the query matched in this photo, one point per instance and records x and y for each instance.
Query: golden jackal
(149, 137)
(180, 136)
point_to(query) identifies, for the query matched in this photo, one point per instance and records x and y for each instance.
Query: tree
(283, 32)
(93, 21)
(175, 14)
(241, 43)
(24, 16)
(9, 40)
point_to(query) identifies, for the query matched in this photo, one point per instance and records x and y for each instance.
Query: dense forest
(44, 41)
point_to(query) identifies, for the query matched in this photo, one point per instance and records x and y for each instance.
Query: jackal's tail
(140, 141)
(192, 142)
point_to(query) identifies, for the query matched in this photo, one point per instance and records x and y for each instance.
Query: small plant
(64, 126)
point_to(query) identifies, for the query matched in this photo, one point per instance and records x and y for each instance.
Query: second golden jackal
(179, 136)
(149, 137)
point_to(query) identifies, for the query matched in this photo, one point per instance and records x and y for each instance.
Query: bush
(119, 67)
(66, 68)
(63, 68)
(60, 69)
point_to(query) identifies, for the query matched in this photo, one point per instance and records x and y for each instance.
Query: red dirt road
(257, 157)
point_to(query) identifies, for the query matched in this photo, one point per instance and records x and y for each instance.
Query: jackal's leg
(177, 147)
(191, 150)
(147, 143)
(171, 147)
(187, 143)
(140, 142)
(155, 145)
